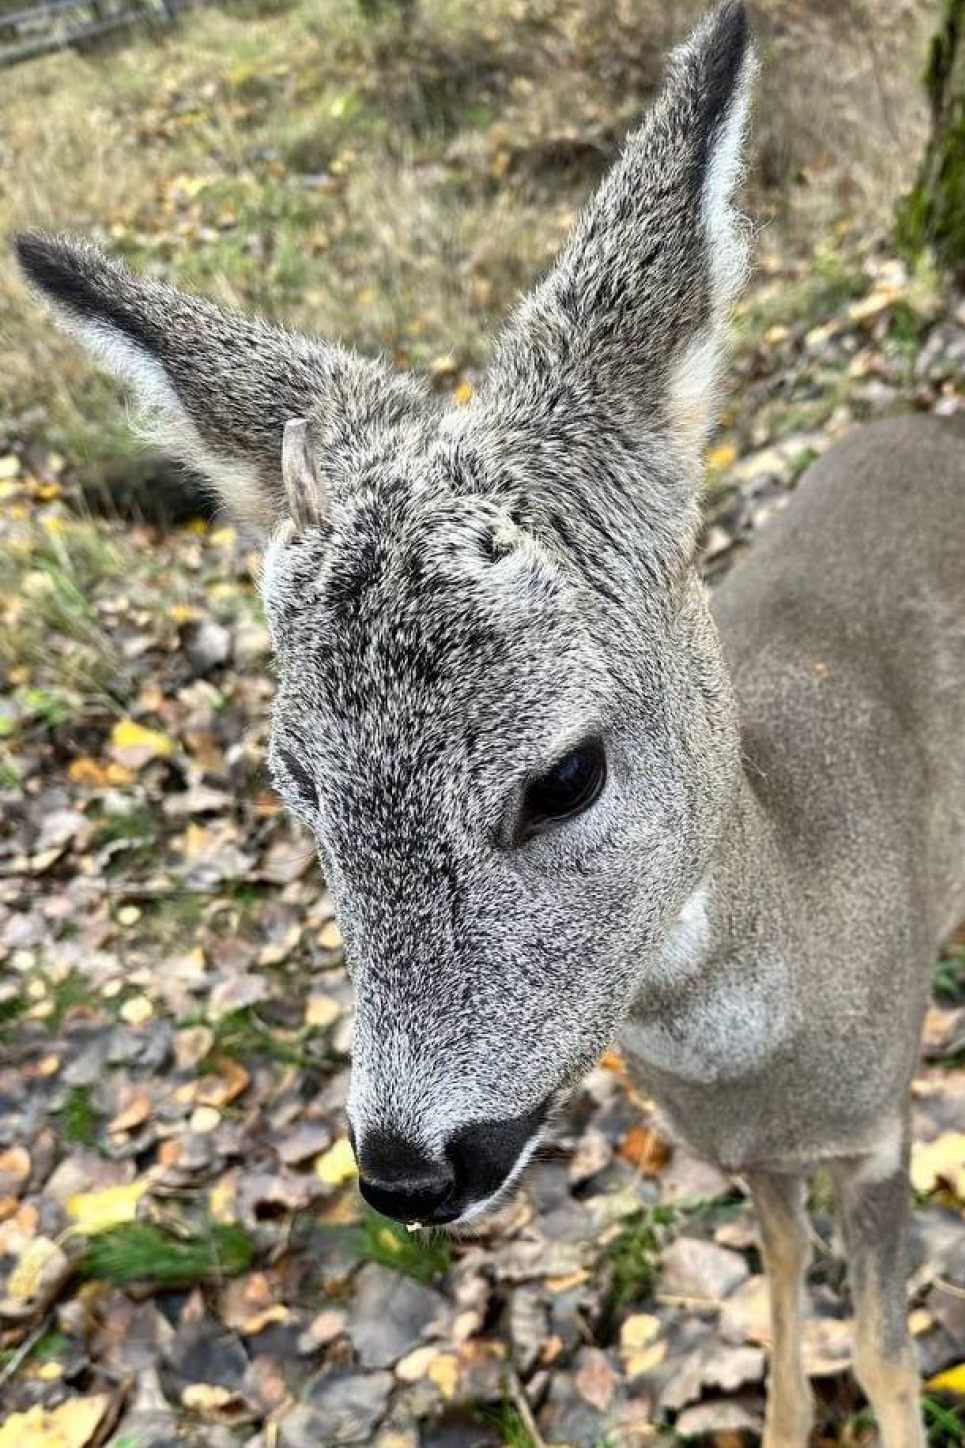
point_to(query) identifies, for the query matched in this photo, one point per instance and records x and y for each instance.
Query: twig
(25, 1349)
(696, 1304)
(949, 1288)
(521, 1403)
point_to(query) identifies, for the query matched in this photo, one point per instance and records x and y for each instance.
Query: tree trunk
(933, 215)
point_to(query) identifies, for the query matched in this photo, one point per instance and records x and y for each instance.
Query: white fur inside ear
(692, 390)
(165, 422)
(725, 228)
(119, 355)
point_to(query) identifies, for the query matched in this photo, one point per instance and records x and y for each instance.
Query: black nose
(399, 1180)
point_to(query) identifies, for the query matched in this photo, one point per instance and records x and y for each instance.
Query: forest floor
(183, 1257)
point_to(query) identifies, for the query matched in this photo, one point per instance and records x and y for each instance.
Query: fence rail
(60, 24)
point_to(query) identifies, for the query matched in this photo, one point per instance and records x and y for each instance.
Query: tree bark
(933, 215)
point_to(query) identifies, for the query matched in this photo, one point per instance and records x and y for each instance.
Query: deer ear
(628, 324)
(217, 387)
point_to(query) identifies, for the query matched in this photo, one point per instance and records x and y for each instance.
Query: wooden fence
(58, 24)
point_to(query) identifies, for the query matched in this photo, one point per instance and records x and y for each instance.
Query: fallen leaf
(134, 745)
(645, 1150)
(416, 1364)
(444, 1372)
(15, 1168)
(337, 1165)
(641, 1346)
(941, 1160)
(137, 1010)
(952, 1380)
(322, 1011)
(40, 1268)
(135, 1113)
(71, 1424)
(230, 1081)
(95, 1212)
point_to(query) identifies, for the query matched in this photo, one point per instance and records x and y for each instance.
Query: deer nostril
(400, 1181)
(429, 1201)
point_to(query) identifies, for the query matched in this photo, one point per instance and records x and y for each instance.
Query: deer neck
(714, 1000)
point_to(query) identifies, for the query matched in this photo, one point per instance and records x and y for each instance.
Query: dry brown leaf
(643, 1148)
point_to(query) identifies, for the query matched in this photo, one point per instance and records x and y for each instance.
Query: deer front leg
(874, 1205)
(779, 1199)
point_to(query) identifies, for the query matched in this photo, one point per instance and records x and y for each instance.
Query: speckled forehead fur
(485, 586)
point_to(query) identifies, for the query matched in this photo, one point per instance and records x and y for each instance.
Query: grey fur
(753, 902)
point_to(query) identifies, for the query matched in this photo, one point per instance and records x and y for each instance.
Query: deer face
(501, 708)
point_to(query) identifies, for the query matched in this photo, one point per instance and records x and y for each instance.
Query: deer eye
(299, 777)
(570, 787)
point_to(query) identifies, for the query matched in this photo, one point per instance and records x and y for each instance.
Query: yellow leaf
(337, 1165)
(137, 1010)
(417, 1363)
(95, 1212)
(72, 1424)
(222, 1198)
(322, 1011)
(182, 612)
(40, 1264)
(941, 1160)
(639, 1331)
(638, 1363)
(721, 456)
(330, 936)
(952, 1380)
(134, 744)
(444, 1372)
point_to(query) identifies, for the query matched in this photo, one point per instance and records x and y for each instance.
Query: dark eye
(299, 776)
(569, 788)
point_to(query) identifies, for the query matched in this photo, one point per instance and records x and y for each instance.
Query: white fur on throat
(724, 1030)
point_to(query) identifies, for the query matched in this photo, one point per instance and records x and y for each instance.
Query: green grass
(12, 1009)
(49, 579)
(244, 1036)
(508, 1423)
(144, 1252)
(835, 279)
(68, 994)
(634, 1256)
(79, 1116)
(945, 1421)
(50, 1347)
(137, 825)
(421, 1255)
(949, 978)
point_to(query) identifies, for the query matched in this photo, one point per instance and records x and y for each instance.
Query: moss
(933, 214)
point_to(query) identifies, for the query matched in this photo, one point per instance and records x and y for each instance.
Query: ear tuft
(722, 44)
(217, 387)
(51, 264)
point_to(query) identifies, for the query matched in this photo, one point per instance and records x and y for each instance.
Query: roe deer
(560, 798)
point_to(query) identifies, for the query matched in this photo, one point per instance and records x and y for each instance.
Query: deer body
(554, 801)
(788, 1030)
(842, 867)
